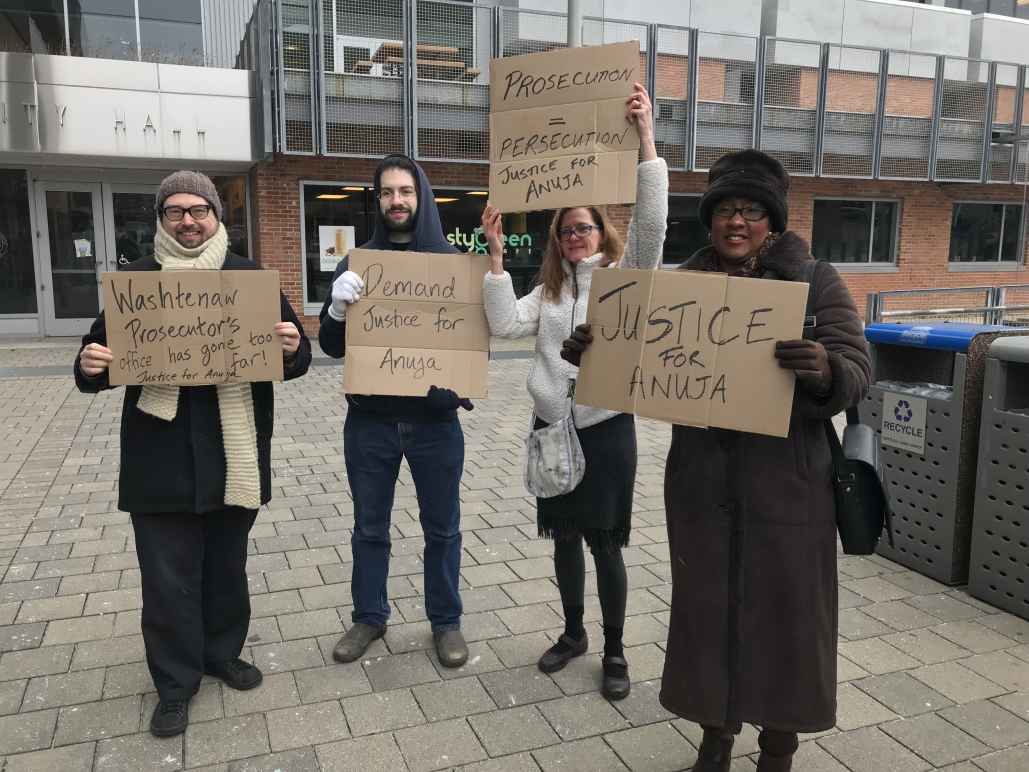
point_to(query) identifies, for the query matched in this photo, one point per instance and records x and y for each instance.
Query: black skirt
(600, 508)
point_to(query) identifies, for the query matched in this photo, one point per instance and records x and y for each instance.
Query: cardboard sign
(193, 328)
(558, 134)
(692, 348)
(903, 422)
(419, 323)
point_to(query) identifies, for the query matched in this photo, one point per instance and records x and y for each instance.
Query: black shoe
(566, 649)
(715, 754)
(616, 683)
(236, 674)
(171, 717)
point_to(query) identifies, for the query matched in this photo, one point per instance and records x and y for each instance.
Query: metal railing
(369, 77)
(1005, 305)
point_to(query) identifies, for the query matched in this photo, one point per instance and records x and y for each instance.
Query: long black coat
(752, 537)
(179, 466)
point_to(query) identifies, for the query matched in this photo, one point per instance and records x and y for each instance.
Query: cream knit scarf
(235, 400)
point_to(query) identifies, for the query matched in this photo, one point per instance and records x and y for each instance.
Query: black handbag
(862, 498)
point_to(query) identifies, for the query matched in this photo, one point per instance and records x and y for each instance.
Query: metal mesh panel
(1016, 305)
(1005, 97)
(789, 116)
(362, 77)
(1021, 163)
(529, 32)
(295, 47)
(961, 304)
(851, 102)
(726, 69)
(454, 42)
(907, 124)
(959, 147)
(671, 96)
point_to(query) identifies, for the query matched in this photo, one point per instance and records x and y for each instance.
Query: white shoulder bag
(554, 462)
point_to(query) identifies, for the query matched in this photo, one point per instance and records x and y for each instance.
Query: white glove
(345, 290)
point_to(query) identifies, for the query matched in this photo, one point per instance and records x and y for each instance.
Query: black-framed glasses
(750, 213)
(582, 230)
(176, 213)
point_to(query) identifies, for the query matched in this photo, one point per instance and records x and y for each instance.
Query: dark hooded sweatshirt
(427, 236)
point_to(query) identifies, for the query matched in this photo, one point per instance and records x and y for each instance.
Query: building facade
(901, 124)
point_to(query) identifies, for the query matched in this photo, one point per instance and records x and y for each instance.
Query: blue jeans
(373, 449)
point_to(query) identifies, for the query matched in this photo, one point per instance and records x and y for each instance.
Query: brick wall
(924, 230)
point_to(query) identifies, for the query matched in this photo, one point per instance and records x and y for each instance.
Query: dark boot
(715, 752)
(777, 749)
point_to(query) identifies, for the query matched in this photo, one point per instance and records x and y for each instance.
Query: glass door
(73, 253)
(131, 218)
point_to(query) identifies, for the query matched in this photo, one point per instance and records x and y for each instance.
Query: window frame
(869, 266)
(675, 194)
(993, 266)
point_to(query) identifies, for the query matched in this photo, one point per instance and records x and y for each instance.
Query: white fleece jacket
(552, 322)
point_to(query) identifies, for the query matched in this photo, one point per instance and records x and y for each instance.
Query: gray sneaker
(451, 648)
(356, 641)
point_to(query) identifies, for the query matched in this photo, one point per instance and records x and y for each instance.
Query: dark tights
(612, 587)
(771, 741)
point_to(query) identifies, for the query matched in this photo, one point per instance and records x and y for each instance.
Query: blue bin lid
(945, 337)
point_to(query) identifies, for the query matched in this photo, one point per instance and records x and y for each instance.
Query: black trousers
(196, 603)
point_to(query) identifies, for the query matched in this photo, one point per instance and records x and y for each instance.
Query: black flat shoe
(616, 685)
(236, 674)
(559, 655)
(171, 717)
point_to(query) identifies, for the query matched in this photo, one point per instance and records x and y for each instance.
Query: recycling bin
(924, 404)
(999, 565)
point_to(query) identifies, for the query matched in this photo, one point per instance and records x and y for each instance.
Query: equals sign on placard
(556, 122)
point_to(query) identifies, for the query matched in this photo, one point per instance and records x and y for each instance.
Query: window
(32, 26)
(686, 234)
(105, 29)
(17, 275)
(233, 193)
(856, 232)
(171, 32)
(985, 233)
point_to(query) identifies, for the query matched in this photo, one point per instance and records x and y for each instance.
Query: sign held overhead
(558, 133)
(693, 348)
(419, 323)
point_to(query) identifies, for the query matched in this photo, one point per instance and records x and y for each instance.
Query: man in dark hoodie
(381, 430)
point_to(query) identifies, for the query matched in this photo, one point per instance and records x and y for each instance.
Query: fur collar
(785, 259)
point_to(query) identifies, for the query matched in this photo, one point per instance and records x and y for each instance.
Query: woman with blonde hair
(598, 510)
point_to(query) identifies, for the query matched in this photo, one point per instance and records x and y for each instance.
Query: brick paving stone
(900, 615)
(228, 739)
(308, 624)
(410, 636)
(582, 715)
(876, 656)
(989, 723)
(871, 749)
(509, 731)
(810, 757)
(957, 683)
(11, 693)
(34, 662)
(641, 707)
(320, 722)
(452, 699)
(855, 624)
(520, 686)
(114, 651)
(519, 650)
(28, 732)
(904, 695)
(291, 655)
(395, 671)
(332, 682)
(115, 600)
(138, 751)
(973, 636)
(97, 720)
(1010, 760)
(89, 583)
(494, 573)
(21, 636)
(1014, 703)
(856, 709)
(303, 760)
(362, 754)
(56, 691)
(73, 758)
(81, 629)
(944, 607)
(123, 680)
(590, 755)
(481, 659)
(442, 745)
(382, 712)
(278, 690)
(934, 739)
(529, 619)
(1001, 668)
(531, 591)
(206, 704)
(273, 603)
(17, 591)
(654, 748)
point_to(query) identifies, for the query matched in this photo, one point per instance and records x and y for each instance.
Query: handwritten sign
(558, 134)
(419, 323)
(192, 328)
(692, 348)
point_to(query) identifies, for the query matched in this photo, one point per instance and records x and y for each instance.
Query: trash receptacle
(998, 571)
(924, 403)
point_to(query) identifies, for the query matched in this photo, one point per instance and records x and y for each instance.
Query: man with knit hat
(195, 468)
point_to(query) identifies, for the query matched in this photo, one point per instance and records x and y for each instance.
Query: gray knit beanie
(186, 181)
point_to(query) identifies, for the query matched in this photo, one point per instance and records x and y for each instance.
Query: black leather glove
(572, 347)
(446, 399)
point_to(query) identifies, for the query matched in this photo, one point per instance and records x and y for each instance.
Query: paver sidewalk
(929, 677)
